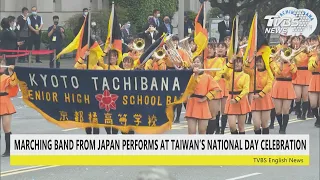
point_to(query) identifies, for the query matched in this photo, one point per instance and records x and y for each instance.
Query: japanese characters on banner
(126, 100)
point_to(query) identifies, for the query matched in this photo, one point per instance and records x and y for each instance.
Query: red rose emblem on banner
(107, 100)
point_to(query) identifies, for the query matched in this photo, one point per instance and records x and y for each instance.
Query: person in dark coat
(23, 32)
(9, 39)
(155, 20)
(224, 28)
(85, 12)
(166, 27)
(149, 36)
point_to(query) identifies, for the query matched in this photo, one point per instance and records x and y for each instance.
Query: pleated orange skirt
(303, 78)
(315, 83)
(262, 104)
(240, 108)
(223, 85)
(198, 110)
(6, 106)
(283, 90)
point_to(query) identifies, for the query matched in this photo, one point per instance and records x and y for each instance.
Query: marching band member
(157, 62)
(215, 103)
(186, 63)
(237, 105)
(283, 92)
(261, 103)
(283, 42)
(136, 49)
(221, 52)
(301, 83)
(197, 111)
(314, 87)
(273, 56)
(7, 84)
(128, 63)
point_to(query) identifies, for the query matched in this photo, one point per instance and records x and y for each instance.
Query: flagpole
(111, 29)
(89, 35)
(234, 52)
(204, 25)
(255, 52)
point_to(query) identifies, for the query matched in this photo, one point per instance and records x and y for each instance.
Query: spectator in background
(9, 39)
(149, 36)
(224, 28)
(155, 21)
(56, 36)
(166, 27)
(23, 32)
(35, 24)
(188, 26)
(125, 32)
(85, 12)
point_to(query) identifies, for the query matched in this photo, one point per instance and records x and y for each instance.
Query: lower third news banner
(126, 100)
(162, 150)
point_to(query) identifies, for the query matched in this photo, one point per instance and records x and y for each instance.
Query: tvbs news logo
(291, 21)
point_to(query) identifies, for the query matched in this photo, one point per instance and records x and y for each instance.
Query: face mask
(56, 22)
(227, 18)
(128, 26)
(158, 15)
(34, 13)
(85, 13)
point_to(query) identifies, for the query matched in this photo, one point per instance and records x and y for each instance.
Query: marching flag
(256, 40)
(233, 48)
(154, 46)
(80, 43)
(114, 34)
(95, 51)
(75, 43)
(200, 33)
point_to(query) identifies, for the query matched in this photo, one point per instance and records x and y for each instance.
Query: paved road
(28, 121)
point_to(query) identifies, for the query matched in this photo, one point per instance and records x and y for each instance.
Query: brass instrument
(289, 54)
(273, 49)
(173, 53)
(184, 44)
(159, 53)
(275, 53)
(139, 44)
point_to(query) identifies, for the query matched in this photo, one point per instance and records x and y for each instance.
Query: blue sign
(125, 100)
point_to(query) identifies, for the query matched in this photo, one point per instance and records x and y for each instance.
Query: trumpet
(160, 53)
(139, 44)
(172, 53)
(184, 44)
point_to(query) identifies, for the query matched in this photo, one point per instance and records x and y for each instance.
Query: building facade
(67, 8)
(48, 8)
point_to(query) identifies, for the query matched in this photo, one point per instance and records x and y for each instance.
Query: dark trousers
(35, 41)
(51, 64)
(24, 47)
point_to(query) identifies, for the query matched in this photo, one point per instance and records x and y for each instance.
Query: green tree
(139, 10)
